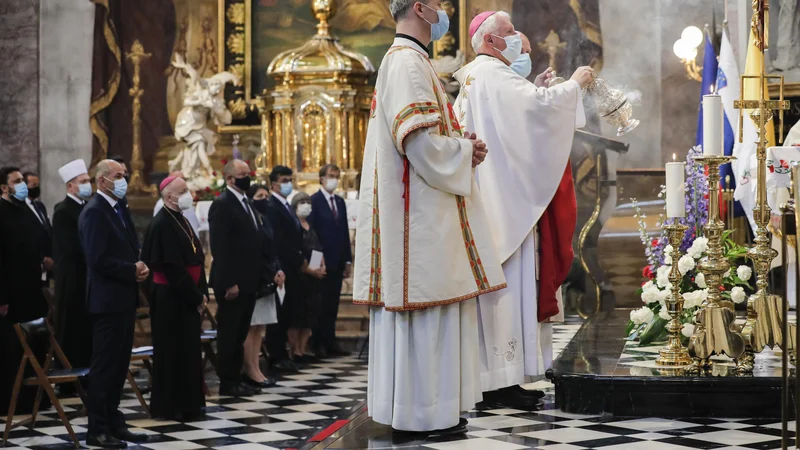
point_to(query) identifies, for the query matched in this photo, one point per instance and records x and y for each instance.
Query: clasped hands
(479, 149)
(142, 272)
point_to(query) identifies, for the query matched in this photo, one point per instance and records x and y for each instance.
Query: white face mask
(304, 210)
(513, 47)
(185, 201)
(331, 184)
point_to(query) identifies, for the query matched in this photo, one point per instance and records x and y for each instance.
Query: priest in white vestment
(526, 187)
(424, 250)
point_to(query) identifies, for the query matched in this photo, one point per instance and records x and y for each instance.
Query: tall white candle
(676, 206)
(712, 125)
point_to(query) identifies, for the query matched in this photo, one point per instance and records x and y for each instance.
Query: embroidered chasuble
(422, 236)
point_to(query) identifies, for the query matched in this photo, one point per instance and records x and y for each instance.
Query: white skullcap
(72, 169)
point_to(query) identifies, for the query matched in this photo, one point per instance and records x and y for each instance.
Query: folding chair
(45, 378)
(207, 337)
(145, 357)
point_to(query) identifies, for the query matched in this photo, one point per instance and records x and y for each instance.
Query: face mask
(304, 210)
(286, 189)
(522, 65)
(120, 188)
(441, 27)
(185, 201)
(85, 190)
(21, 191)
(331, 184)
(242, 183)
(261, 205)
(513, 47)
(34, 192)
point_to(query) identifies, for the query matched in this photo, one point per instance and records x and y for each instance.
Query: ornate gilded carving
(235, 43)
(236, 14)
(238, 107)
(237, 69)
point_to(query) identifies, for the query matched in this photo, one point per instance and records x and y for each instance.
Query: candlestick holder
(714, 333)
(675, 354)
(137, 184)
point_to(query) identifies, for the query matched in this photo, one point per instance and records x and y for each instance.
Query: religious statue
(203, 102)
(787, 58)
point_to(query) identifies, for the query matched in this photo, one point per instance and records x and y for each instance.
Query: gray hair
(489, 26)
(299, 197)
(104, 168)
(399, 8)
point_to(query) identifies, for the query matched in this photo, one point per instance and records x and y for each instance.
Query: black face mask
(261, 205)
(242, 183)
(34, 192)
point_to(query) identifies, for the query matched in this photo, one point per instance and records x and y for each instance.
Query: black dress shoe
(509, 398)
(127, 435)
(461, 428)
(104, 441)
(238, 390)
(519, 390)
(268, 383)
(285, 365)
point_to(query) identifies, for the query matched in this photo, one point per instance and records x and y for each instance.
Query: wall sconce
(685, 48)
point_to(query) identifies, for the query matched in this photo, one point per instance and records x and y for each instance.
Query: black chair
(207, 338)
(44, 377)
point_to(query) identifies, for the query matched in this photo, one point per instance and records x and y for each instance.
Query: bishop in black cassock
(73, 323)
(178, 293)
(21, 297)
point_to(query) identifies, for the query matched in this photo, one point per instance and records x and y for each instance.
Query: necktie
(291, 213)
(38, 209)
(249, 212)
(333, 208)
(121, 216)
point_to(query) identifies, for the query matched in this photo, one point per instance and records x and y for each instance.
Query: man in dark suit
(114, 272)
(236, 272)
(73, 323)
(289, 241)
(329, 219)
(124, 201)
(40, 212)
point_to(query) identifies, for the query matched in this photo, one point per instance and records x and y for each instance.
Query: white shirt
(111, 201)
(77, 200)
(240, 198)
(328, 196)
(33, 208)
(282, 200)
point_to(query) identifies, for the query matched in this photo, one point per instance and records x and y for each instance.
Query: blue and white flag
(728, 89)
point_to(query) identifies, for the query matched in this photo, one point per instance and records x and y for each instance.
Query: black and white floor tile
(285, 416)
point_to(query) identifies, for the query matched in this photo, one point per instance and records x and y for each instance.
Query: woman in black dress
(308, 288)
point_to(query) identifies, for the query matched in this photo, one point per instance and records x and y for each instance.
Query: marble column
(19, 83)
(64, 90)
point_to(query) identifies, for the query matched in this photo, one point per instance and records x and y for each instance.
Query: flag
(728, 89)
(746, 164)
(707, 85)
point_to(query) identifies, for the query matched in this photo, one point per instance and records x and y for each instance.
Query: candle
(712, 125)
(676, 206)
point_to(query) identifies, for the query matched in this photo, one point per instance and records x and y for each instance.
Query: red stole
(556, 228)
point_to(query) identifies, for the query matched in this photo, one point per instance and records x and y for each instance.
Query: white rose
(650, 296)
(688, 330)
(744, 273)
(699, 246)
(737, 295)
(664, 314)
(663, 295)
(662, 276)
(685, 264)
(695, 298)
(641, 316)
(649, 285)
(668, 254)
(700, 280)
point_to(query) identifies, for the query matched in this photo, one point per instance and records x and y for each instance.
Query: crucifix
(552, 45)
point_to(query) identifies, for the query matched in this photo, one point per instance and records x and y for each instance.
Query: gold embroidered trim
(375, 256)
(481, 280)
(418, 306)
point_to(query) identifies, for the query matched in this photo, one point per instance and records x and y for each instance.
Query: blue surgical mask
(286, 189)
(21, 191)
(120, 188)
(85, 190)
(513, 47)
(523, 65)
(441, 27)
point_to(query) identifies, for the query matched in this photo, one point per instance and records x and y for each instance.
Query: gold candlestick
(762, 308)
(137, 184)
(675, 354)
(714, 333)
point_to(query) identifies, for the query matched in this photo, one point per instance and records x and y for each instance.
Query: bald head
(236, 169)
(108, 171)
(526, 44)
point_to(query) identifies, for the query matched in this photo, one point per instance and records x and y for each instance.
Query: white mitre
(72, 169)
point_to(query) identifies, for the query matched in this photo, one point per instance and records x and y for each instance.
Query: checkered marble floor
(285, 416)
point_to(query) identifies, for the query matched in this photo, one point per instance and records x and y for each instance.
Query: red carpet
(333, 428)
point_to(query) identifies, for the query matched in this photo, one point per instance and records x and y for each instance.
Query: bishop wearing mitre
(423, 246)
(526, 186)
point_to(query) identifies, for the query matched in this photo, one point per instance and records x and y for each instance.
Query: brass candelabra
(675, 354)
(763, 310)
(714, 333)
(137, 184)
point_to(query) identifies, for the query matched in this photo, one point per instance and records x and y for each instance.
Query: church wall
(19, 81)
(64, 90)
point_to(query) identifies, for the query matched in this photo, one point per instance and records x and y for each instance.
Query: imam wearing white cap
(73, 325)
